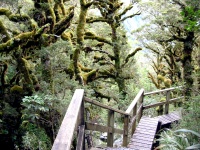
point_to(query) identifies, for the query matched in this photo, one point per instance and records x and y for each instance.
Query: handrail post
(81, 131)
(110, 136)
(134, 123)
(167, 102)
(125, 135)
(141, 103)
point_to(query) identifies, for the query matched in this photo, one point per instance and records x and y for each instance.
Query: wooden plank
(154, 105)
(136, 99)
(167, 102)
(142, 138)
(133, 126)
(101, 128)
(163, 103)
(160, 91)
(140, 146)
(146, 131)
(110, 135)
(144, 135)
(81, 138)
(65, 134)
(176, 115)
(126, 127)
(104, 106)
(139, 112)
(169, 118)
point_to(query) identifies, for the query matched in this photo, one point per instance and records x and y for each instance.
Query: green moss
(23, 66)
(17, 89)
(18, 17)
(167, 82)
(89, 76)
(82, 68)
(6, 12)
(63, 24)
(67, 36)
(3, 31)
(160, 77)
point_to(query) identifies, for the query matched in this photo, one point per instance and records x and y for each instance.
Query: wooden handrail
(65, 134)
(163, 103)
(74, 119)
(163, 90)
(133, 103)
(104, 106)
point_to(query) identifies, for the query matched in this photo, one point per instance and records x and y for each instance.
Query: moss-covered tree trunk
(116, 49)
(187, 64)
(80, 36)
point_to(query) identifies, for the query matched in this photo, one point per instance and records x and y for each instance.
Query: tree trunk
(116, 49)
(187, 64)
(80, 36)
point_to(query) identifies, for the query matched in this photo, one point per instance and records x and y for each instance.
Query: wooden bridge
(138, 131)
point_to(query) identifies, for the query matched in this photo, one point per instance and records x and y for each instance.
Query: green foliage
(191, 119)
(191, 18)
(35, 105)
(186, 134)
(35, 138)
(178, 140)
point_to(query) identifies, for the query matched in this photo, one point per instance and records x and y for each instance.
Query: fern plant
(182, 139)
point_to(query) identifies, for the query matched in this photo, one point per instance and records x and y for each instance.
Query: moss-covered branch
(18, 18)
(4, 32)
(85, 69)
(92, 36)
(130, 16)
(99, 19)
(63, 24)
(21, 39)
(153, 80)
(131, 55)
(5, 12)
(89, 49)
(98, 94)
(125, 10)
(88, 76)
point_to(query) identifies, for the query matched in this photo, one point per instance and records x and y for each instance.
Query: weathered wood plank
(169, 118)
(104, 106)
(81, 138)
(136, 99)
(160, 91)
(163, 103)
(126, 127)
(66, 131)
(144, 135)
(167, 102)
(110, 135)
(101, 128)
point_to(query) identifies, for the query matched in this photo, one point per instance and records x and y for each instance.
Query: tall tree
(176, 22)
(26, 29)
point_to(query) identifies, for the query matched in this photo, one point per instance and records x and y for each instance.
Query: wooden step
(167, 119)
(143, 137)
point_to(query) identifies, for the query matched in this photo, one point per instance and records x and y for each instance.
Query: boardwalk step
(143, 137)
(167, 119)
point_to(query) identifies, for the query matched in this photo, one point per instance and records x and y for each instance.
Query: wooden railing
(74, 122)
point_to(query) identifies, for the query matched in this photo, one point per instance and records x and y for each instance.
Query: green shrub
(178, 140)
(35, 138)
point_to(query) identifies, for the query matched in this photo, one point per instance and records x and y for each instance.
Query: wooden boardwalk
(167, 119)
(142, 129)
(144, 135)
